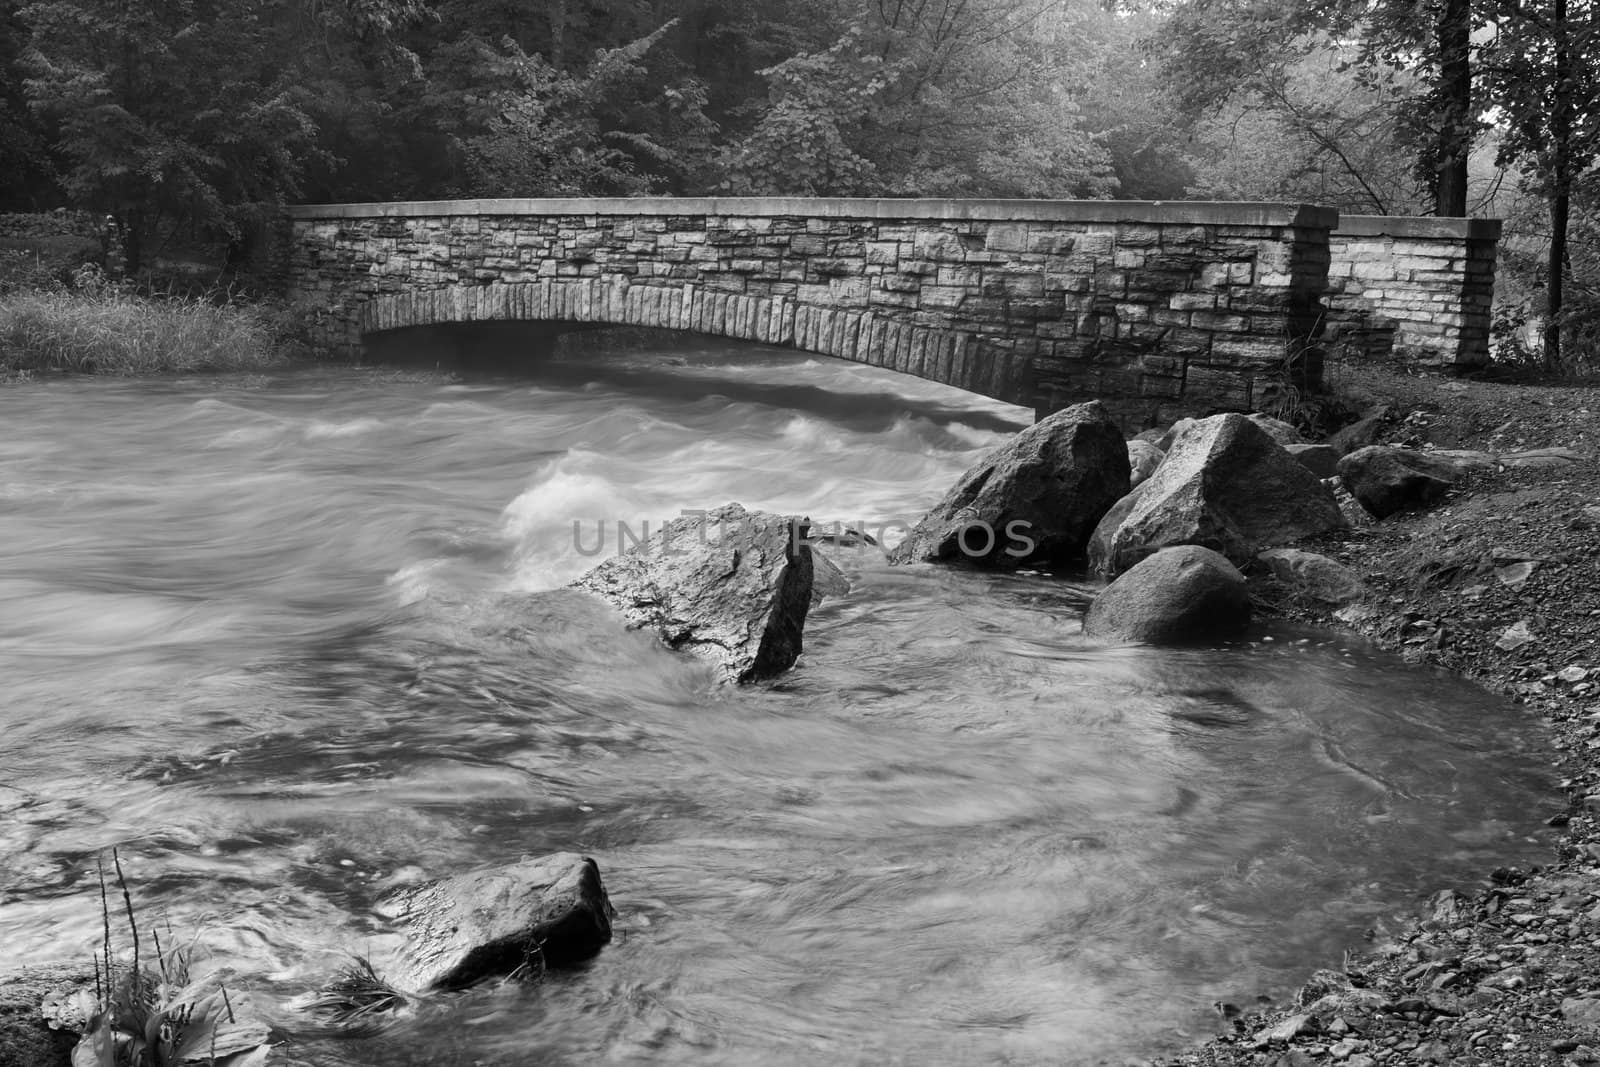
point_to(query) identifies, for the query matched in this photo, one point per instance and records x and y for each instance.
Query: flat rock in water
(1178, 594)
(1034, 499)
(731, 586)
(551, 911)
(1388, 480)
(1226, 485)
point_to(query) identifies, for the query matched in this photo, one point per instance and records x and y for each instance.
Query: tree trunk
(1559, 206)
(1454, 30)
(1561, 150)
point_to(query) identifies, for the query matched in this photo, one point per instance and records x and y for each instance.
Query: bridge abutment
(1413, 291)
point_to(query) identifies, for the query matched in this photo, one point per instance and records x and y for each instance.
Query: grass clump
(357, 997)
(146, 1015)
(108, 330)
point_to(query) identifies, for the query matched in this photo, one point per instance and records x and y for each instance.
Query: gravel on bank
(1499, 583)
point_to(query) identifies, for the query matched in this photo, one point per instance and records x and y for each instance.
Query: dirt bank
(1499, 583)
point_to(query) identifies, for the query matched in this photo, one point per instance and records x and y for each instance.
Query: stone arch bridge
(1160, 309)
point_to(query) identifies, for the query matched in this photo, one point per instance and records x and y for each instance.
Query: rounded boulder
(1181, 594)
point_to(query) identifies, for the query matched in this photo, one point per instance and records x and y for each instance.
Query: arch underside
(964, 359)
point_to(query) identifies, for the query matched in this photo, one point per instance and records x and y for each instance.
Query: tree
(1094, 52)
(923, 97)
(1542, 74)
(26, 173)
(1313, 131)
(1215, 48)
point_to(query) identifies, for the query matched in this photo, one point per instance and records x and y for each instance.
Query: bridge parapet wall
(1161, 309)
(1416, 291)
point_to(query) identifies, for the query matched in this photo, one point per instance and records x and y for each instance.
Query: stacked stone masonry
(1416, 291)
(1161, 309)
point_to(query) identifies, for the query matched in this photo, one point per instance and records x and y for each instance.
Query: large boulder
(1178, 594)
(550, 911)
(1143, 459)
(1225, 485)
(1387, 480)
(1034, 499)
(731, 586)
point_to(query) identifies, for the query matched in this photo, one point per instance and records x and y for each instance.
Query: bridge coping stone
(1186, 212)
(1420, 226)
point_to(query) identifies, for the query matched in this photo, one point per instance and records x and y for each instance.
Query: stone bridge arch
(943, 355)
(1159, 309)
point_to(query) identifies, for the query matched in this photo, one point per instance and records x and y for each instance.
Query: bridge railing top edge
(1179, 212)
(1418, 226)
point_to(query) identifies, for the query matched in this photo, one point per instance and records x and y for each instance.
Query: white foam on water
(319, 430)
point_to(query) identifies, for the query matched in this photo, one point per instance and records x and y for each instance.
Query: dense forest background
(194, 118)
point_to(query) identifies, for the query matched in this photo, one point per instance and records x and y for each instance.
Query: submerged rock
(1387, 480)
(1226, 485)
(1034, 499)
(1177, 594)
(549, 911)
(731, 586)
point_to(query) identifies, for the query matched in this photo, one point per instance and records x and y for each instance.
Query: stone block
(1134, 235)
(883, 253)
(1006, 237)
(942, 297)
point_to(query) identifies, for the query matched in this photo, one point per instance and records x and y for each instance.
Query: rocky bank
(1497, 581)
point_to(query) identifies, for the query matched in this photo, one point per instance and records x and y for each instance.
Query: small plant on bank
(159, 1016)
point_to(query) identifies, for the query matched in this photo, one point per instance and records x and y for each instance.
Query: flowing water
(289, 642)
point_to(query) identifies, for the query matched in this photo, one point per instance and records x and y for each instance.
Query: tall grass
(111, 331)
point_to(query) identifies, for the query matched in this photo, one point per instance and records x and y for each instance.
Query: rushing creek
(284, 640)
